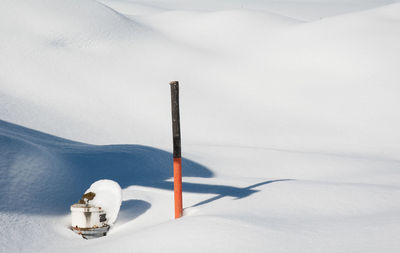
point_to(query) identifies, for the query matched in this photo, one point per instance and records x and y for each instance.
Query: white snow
(108, 197)
(289, 126)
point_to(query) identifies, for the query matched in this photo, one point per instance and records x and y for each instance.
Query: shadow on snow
(45, 174)
(131, 209)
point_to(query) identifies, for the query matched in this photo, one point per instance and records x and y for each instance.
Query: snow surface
(289, 123)
(108, 197)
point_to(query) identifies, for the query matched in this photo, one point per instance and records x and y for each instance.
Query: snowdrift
(44, 174)
(326, 199)
(288, 115)
(59, 23)
(327, 85)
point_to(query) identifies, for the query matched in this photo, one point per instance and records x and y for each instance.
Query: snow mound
(59, 23)
(108, 197)
(225, 29)
(325, 85)
(296, 120)
(44, 174)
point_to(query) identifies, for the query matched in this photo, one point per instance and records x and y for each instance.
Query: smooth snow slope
(288, 118)
(301, 9)
(328, 85)
(260, 199)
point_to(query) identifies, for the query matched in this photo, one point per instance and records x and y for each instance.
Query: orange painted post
(178, 187)
(176, 133)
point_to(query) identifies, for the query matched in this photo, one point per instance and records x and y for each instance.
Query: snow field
(339, 74)
(289, 124)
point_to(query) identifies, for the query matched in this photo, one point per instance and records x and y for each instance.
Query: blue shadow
(131, 209)
(45, 174)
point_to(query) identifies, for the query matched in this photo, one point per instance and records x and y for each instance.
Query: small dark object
(88, 196)
(103, 217)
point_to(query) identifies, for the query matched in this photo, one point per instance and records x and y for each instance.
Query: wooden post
(176, 133)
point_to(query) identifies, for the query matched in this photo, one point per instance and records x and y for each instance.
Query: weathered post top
(176, 127)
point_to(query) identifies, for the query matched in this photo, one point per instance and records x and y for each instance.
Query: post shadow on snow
(238, 192)
(68, 168)
(133, 208)
(220, 190)
(150, 167)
